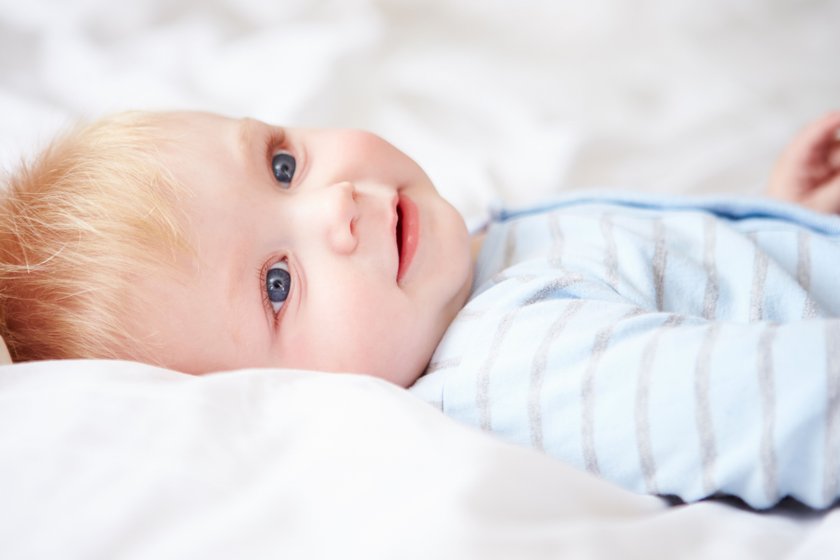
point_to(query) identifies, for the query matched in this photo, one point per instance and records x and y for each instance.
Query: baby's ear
(5, 358)
(808, 171)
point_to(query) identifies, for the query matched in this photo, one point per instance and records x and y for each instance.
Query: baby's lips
(408, 229)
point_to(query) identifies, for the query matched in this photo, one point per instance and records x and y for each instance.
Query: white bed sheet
(120, 460)
(499, 101)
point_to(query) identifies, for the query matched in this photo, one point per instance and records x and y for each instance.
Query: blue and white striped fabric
(687, 348)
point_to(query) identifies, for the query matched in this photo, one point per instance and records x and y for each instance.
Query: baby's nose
(341, 212)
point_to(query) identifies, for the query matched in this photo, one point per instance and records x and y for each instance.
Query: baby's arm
(808, 171)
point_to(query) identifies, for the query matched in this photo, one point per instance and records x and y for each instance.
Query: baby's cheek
(396, 351)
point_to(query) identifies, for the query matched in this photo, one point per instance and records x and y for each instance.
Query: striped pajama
(676, 347)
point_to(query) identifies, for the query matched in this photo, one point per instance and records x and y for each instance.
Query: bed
(115, 459)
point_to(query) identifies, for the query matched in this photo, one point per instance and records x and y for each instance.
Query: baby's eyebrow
(250, 130)
(247, 135)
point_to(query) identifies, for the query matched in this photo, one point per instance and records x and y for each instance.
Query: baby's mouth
(407, 234)
(399, 232)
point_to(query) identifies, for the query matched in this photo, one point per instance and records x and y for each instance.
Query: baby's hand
(808, 171)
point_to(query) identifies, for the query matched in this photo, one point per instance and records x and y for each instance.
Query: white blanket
(497, 100)
(119, 460)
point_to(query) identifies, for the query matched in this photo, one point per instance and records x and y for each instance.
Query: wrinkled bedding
(499, 104)
(120, 460)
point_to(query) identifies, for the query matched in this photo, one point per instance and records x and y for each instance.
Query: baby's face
(315, 249)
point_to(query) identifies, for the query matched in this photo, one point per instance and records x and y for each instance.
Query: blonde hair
(96, 209)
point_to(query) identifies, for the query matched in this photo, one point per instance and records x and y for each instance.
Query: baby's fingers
(823, 152)
(834, 157)
(826, 197)
(811, 159)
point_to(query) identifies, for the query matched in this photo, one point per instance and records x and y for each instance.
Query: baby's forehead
(193, 133)
(198, 121)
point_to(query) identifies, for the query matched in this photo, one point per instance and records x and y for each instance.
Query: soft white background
(500, 101)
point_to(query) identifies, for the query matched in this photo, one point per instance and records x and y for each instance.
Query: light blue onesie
(677, 347)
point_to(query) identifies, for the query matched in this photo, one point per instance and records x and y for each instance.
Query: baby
(239, 245)
(203, 243)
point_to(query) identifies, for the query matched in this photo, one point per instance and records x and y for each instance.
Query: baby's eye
(278, 282)
(283, 165)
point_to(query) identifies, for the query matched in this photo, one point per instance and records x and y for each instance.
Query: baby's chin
(406, 375)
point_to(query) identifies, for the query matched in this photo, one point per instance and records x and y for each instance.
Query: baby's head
(78, 226)
(233, 244)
